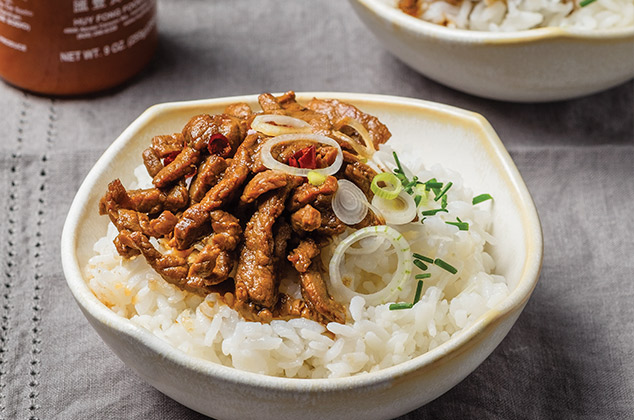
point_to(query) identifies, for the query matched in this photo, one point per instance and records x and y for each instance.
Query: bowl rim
(433, 30)
(90, 305)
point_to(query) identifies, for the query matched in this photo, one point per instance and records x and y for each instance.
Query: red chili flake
(170, 158)
(305, 158)
(219, 145)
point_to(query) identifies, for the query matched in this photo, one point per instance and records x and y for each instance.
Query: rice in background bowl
(464, 139)
(520, 15)
(534, 65)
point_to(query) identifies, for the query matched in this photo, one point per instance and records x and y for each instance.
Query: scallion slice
(431, 184)
(443, 191)
(315, 178)
(386, 185)
(459, 224)
(584, 3)
(422, 276)
(400, 305)
(419, 289)
(480, 198)
(445, 266)
(433, 212)
(420, 264)
(422, 257)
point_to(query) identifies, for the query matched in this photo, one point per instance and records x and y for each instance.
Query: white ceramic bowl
(544, 64)
(458, 139)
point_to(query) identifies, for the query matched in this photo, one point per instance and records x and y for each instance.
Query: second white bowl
(537, 65)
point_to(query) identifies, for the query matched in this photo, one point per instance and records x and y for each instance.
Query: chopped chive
(433, 184)
(443, 202)
(422, 276)
(400, 305)
(420, 264)
(459, 224)
(481, 198)
(584, 3)
(433, 212)
(443, 191)
(417, 199)
(445, 266)
(419, 289)
(422, 257)
(398, 163)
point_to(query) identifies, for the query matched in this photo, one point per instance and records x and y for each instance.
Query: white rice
(373, 338)
(518, 15)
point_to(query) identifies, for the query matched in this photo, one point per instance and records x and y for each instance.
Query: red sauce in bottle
(70, 47)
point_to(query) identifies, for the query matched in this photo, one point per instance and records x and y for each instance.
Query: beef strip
(240, 110)
(198, 131)
(164, 224)
(183, 165)
(155, 200)
(214, 262)
(256, 282)
(308, 193)
(209, 172)
(172, 268)
(152, 162)
(286, 104)
(191, 224)
(411, 7)
(337, 111)
(330, 223)
(314, 288)
(358, 172)
(315, 293)
(306, 219)
(262, 183)
(151, 200)
(302, 256)
(288, 308)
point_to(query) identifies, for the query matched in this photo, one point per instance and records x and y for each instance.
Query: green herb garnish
(444, 191)
(459, 224)
(422, 257)
(481, 198)
(432, 184)
(584, 3)
(417, 199)
(445, 266)
(400, 305)
(443, 202)
(433, 212)
(419, 289)
(422, 276)
(420, 264)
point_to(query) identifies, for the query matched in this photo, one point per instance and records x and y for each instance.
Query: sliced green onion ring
(270, 162)
(392, 186)
(316, 178)
(388, 293)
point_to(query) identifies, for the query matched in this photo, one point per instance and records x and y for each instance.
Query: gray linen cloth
(570, 355)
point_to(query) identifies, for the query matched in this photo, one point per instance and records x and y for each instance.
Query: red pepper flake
(219, 145)
(170, 158)
(305, 158)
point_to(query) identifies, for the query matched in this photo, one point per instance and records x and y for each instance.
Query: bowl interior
(436, 134)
